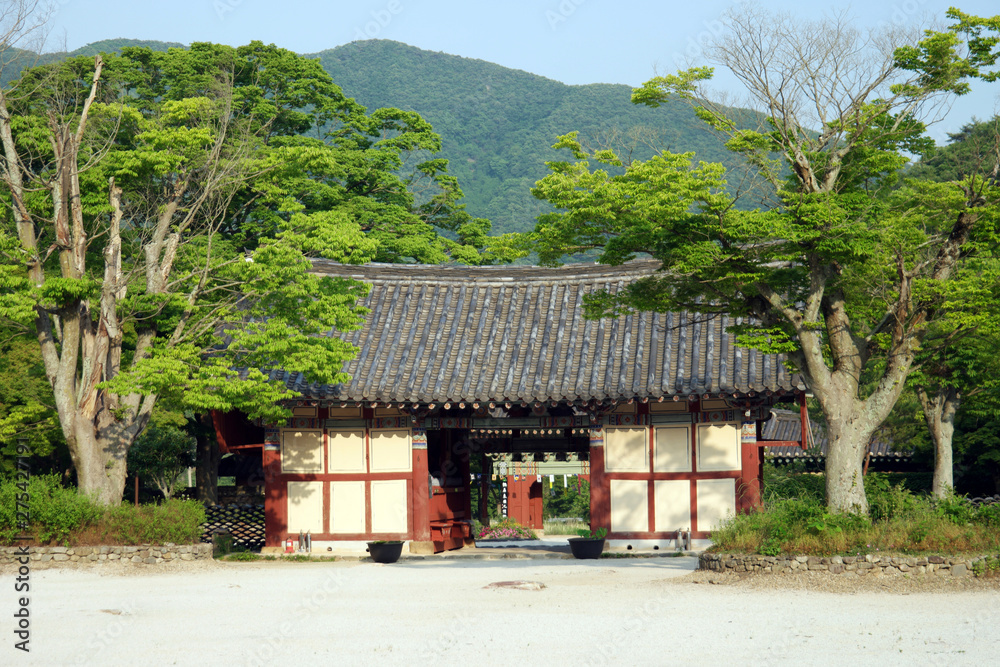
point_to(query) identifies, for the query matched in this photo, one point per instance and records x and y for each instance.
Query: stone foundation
(145, 554)
(852, 565)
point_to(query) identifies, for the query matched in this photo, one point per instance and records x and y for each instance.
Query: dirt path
(652, 611)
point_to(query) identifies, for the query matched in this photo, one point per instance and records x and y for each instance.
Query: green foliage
(495, 123)
(593, 533)
(60, 514)
(27, 415)
(887, 501)
(161, 455)
(977, 442)
(842, 271)
(781, 482)
(558, 527)
(177, 521)
(987, 567)
(222, 543)
(899, 520)
(301, 558)
(568, 501)
(214, 175)
(989, 515)
(55, 512)
(964, 154)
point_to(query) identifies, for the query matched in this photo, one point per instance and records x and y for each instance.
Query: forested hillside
(20, 59)
(498, 124)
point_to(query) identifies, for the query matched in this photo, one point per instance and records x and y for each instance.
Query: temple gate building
(663, 410)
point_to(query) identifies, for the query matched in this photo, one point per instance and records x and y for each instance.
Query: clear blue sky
(573, 41)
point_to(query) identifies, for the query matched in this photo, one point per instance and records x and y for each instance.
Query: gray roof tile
(455, 333)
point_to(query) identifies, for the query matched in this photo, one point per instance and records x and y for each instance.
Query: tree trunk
(207, 468)
(845, 454)
(939, 413)
(99, 461)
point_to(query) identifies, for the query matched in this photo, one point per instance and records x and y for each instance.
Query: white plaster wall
(347, 507)
(672, 505)
(626, 449)
(301, 450)
(389, 506)
(718, 447)
(672, 449)
(305, 507)
(347, 450)
(716, 501)
(629, 506)
(390, 450)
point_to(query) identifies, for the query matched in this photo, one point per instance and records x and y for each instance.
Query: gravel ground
(628, 611)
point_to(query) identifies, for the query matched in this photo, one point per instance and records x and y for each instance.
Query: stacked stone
(854, 565)
(146, 554)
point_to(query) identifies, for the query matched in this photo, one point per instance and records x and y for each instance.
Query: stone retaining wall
(851, 565)
(146, 554)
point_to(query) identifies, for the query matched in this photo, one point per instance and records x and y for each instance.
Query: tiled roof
(456, 333)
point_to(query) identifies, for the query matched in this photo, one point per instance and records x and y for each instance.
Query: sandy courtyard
(628, 611)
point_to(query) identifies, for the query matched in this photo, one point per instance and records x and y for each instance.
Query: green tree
(161, 455)
(958, 361)
(161, 211)
(835, 274)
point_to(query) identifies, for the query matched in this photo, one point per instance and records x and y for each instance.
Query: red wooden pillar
(600, 493)
(275, 492)
(420, 500)
(748, 486)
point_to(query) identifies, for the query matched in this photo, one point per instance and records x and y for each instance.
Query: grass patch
(301, 558)
(794, 520)
(565, 527)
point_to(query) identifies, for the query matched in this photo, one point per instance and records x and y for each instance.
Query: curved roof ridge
(438, 333)
(504, 274)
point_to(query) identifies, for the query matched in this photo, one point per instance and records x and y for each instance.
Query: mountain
(497, 124)
(18, 59)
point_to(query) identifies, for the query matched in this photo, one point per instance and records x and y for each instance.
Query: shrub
(887, 501)
(905, 523)
(988, 515)
(177, 521)
(54, 510)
